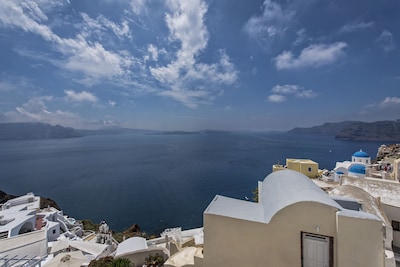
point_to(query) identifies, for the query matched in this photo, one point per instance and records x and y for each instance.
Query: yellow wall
(234, 242)
(304, 166)
(359, 242)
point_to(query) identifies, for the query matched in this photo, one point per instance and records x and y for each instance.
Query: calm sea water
(156, 181)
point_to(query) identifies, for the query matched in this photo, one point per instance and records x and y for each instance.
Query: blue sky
(191, 65)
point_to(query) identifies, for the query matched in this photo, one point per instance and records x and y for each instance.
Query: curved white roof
(283, 188)
(130, 245)
(279, 190)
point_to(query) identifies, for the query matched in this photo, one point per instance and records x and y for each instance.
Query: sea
(157, 181)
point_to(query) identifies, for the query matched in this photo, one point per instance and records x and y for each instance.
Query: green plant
(155, 261)
(121, 262)
(111, 262)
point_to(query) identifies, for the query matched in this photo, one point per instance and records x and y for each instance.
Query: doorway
(316, 250)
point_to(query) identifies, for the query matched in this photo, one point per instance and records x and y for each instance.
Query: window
(54, 231)
(309, 169)
(3, 234)
(396, 225)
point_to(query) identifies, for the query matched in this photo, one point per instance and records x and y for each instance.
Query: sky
(259, 65)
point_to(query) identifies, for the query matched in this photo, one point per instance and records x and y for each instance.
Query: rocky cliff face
(356, 130)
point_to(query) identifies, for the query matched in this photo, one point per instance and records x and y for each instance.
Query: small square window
(54, 231)
(309, 169)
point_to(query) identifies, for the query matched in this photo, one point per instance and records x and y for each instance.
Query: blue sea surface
(157, 181)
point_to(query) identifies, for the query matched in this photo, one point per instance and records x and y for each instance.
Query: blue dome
(357, 168)
(361, 154)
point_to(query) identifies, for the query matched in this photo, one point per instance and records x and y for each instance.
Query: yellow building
(305, 166)
(294, 224)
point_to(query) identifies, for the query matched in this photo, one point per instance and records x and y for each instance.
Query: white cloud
(189, 81)
(315, 55)
(301, 37)
(89, 59)
(306, 94)
(80, 96)
(137, 6)
(189, 98)
(386, 40)
(285, 89)
(153, 52)
(270, 24)
(112, 103)
(277, 98)
(101, 23)
(36, 110)
(356, 26)
(281, 92)
(390, 102)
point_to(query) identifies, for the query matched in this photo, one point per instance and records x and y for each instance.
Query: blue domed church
(356, 167)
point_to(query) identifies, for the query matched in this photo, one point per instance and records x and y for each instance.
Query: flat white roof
(358, 214)
(388, 191)
(15, 218)
(235, 208)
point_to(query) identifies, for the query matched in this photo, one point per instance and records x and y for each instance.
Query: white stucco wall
(31, 244)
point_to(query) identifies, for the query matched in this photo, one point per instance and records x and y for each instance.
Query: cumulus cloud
(315, 55)
(36, 110)
(80, 96)
(277, 98)
(153, 52)
(356, 26)
(390, 102)
(386, 41)
(270, 24)
(190, 81)
(39, 109)
(390, 105)
(90, 59)
(280, 93)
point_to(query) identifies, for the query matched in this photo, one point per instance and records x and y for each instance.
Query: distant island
(39, 130)
(388, 131)
(35, 130)
(356, 130)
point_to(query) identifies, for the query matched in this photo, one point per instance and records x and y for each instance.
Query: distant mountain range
(356, 130)
(346, 130)
(38, 130)
(33, 130)
(24, 131)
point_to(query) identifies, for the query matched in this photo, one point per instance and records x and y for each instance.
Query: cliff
(356, 130)
(44, 202)
(25, 131)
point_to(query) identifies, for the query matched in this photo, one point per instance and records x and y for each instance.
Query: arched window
(26, 228)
